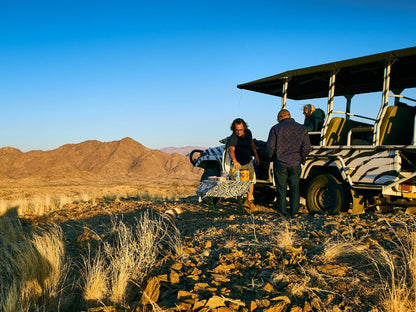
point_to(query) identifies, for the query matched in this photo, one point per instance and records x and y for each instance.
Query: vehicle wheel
(209, 172)
(325, 194)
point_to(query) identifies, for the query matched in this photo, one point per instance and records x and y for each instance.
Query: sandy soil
(12, 189)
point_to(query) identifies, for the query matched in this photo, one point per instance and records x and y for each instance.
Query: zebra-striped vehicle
(356, 162)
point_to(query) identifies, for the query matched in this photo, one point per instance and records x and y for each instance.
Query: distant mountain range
(92, 159)
(181, 150)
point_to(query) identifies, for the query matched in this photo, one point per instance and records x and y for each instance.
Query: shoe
(250, 204)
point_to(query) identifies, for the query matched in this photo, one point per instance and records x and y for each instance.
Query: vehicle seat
(397, 126)
(333, 131)
(337, 131)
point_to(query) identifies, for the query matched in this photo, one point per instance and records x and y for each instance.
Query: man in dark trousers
(288, 146)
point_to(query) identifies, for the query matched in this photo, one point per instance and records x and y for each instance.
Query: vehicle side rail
(354, 115)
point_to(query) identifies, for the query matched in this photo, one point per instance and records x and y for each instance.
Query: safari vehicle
(356, 162)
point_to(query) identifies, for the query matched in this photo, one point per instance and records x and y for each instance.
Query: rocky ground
(235, 261)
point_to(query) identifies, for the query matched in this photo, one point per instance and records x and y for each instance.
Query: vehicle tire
(209, 172)
(325, 194)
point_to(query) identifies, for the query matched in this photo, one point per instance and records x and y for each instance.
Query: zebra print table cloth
(228, 188)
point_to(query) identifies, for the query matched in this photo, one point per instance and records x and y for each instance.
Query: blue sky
(165, 72)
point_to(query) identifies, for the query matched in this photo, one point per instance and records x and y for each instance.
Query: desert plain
(84, 228)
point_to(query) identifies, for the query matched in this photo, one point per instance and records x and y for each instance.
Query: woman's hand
(257, 159)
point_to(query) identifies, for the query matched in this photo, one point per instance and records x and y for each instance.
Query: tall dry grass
(397, 270)
(95, 277)
(42, 205)
(32, 265)
(125, 261)
(38, 206)
(396, 267)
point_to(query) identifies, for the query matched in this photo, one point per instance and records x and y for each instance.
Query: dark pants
(283, 177)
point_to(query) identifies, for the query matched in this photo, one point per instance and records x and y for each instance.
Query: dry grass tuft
(348, 249)
(95, 277)
(283, 235)
(397, 271)
(32, 265)
(126, 261)
(230, 243)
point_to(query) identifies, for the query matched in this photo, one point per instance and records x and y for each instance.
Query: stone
(183, 306)
(193, 277)
(222, 268)
(307, 307)
(333, 269)
(279, 307)
(253, 305)
(293, 250)
(174, 277)
(163, 278)
(196, 271)
(177, 266)
(199, 304)
(215, 302)
(282, 298)
(224, 309)
(262, 303)
(189, 250)
(219, 278)
(268, 287)
(151, 292)
(184, 295)
(200, 286)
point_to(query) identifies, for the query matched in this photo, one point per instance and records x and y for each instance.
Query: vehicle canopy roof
(354, 76)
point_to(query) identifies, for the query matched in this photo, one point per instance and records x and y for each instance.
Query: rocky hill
(95, 159)
(181, 150)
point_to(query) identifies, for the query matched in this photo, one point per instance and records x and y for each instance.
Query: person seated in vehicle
(314, 118)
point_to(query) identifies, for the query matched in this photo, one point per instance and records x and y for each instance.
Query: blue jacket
(288, 143)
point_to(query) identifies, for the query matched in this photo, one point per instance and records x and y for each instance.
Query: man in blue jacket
(288, 146)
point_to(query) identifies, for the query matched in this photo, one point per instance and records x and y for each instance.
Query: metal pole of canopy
(348, 106)
(330, 106)
(284, 92)
(384, 103)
